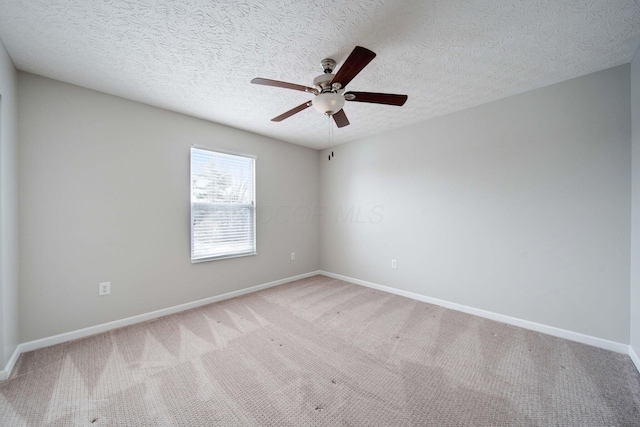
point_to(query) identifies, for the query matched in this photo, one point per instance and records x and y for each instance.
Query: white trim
(551, 330)
(104, 327)
(4, 374)
(216, 258)
(220, 150)
(634, 357)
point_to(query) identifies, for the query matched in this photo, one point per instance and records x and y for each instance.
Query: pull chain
(330, 136)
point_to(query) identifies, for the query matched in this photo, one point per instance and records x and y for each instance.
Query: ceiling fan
(329, 89)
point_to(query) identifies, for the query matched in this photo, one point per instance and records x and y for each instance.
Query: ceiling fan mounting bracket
(328, 65)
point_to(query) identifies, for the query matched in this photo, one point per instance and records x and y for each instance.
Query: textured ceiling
(197, 57)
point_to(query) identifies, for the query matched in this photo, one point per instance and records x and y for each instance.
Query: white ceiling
(197, 57)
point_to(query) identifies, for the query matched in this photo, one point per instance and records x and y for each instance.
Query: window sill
(216, 258)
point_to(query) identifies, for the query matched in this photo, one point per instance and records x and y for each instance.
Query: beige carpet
(321, 352)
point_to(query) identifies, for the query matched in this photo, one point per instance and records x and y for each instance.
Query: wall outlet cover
(104, 288)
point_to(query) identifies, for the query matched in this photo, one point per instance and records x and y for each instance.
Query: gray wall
(635, 205)
(104, 196)
(520, 206)
(8, 209)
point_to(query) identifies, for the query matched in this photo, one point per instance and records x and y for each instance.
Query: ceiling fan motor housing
(323, 82)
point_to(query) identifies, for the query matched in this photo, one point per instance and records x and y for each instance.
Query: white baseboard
(4, 374)
(92, 330)
(634, 357)
(97, 329)
(551, 330)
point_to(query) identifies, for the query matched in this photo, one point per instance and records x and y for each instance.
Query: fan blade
(377, 98)
(341, 119)
(358, 59)
(291, 112)
(276, 83)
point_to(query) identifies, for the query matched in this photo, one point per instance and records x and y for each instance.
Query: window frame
(253, 158)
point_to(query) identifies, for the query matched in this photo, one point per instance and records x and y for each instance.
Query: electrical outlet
(394, 263)
(293, 256)
(104, 288)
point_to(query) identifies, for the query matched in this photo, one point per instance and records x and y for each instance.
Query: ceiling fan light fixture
(328, 102)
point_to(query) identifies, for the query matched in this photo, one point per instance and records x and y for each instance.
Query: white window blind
(223, 216)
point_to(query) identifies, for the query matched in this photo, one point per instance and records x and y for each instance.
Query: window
(223, 220)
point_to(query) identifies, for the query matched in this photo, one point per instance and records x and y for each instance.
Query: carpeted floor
(321, 352)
